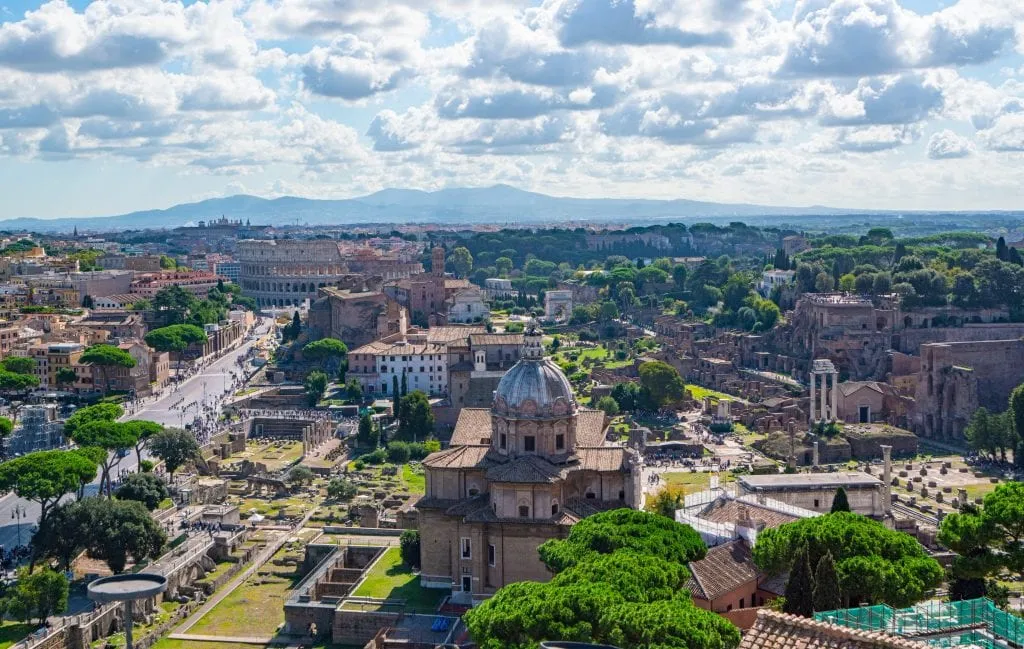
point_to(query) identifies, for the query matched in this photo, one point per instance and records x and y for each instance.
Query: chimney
(887, 479)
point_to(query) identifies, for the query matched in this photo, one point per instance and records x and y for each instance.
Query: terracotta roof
(607, 458)
(496, 339)
(450, 334)
(590, 428)
(774, 630)
(457, 457)
(472, 427)
(724, 569)
(729, 511)
(526, 469)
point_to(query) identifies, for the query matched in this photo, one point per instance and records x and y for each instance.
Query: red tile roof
(774, 630)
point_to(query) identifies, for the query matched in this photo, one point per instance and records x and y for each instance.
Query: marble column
(886, 478)
(835, 395)
(824, 396)
(813, 379)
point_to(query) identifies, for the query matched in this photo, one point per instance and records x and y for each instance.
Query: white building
(499, 288)
(772, 278)
(815, 491)
(558, 304)
(467, 306)
(424, 364)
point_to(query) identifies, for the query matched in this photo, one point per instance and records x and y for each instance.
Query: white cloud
(727, 98)
(946, 144)
(353, 69)
(851, 38)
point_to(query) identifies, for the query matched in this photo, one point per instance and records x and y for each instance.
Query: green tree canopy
(416, 419)
(840, 503)
(462, 261)
(627, 529)
(19, 364)
(106, 357)
(175, 338)
(329, 352)
(609, 589)
(146, 488)
(38, 595)
(663, 383)
(112, 437)
(97, 412)
(987, 540)
(875, 564)
(143, 430)
(174, 304)
(176, 447)
(124, 530)
(45, 477)
(316, 383)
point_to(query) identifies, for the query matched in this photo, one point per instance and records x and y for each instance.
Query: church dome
(535, 386)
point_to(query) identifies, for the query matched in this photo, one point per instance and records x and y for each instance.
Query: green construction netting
(969, 623)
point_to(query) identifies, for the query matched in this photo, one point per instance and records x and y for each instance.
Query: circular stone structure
(127, 589)
(123, 588)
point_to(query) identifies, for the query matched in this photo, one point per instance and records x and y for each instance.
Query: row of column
(829, 409)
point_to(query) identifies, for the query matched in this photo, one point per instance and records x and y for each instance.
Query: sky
(113, 106)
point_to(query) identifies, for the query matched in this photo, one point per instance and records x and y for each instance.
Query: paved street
(215, 376)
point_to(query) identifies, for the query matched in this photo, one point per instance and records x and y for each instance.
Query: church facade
(515, 475)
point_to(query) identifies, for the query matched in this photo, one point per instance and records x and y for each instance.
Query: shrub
(409, 548)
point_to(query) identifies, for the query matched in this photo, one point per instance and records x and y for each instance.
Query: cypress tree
(800, 587)
(826, 585)
(394, 392)
(840, 503)
(405, 384)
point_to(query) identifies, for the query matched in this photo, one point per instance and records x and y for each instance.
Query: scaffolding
(973, 623)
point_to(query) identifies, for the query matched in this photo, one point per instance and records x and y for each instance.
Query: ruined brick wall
(957, 378)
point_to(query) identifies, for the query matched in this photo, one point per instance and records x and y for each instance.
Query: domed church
(516, 475)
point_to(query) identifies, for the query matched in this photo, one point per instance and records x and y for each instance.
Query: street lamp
(18, 514)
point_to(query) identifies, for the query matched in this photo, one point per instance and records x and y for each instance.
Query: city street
(17, 516)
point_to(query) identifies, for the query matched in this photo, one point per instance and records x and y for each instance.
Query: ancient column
(816, 453)
(835, 395)
(824, 394)
(886, 478)
(813, 376)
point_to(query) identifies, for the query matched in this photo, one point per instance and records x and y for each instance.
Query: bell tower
(437, 261)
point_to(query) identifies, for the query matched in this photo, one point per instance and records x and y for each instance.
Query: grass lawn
(391, 579)
(415, 481)
(692, 482)
(980, 490)
(699, 393)
(255, 608)
(12, 632)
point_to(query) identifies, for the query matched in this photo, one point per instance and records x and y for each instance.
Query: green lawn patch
(391, 579)
(415, 481)
(256, 607)
(12, 632)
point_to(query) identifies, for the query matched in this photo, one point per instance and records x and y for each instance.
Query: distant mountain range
(500, 204)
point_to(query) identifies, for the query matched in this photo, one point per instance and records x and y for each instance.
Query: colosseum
(286, 272)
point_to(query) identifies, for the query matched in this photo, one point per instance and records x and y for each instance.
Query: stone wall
(956, 378)
(909, 341)
(359, 627)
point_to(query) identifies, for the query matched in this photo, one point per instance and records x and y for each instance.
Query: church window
(529, 443)
(524, 511)
(504, 440)
(554, 508)
(490, 554)
(467, 548)
(560, 441)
